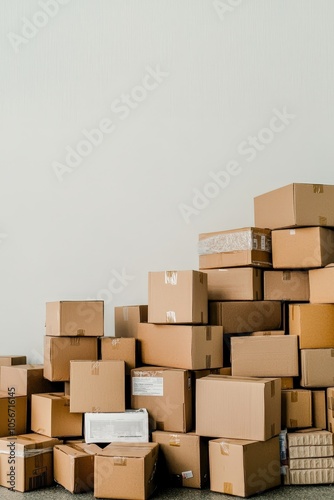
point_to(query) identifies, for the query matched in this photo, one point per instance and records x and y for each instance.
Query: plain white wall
(227, 68)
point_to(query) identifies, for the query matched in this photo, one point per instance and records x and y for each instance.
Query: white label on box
(147, 386)
(187, 474)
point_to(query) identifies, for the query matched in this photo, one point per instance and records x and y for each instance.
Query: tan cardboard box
(126, 471)
(304, 247)
(248, 246)
(186, 458)
(243, 468)
(181, 346)
(177, 297)
(243, 317)
(330, 409)
(319, 409)
(127, 319)
(13, 414)
(26, 380)
(238, 407)
(322, 285)
(286, 285)
(296, 408)
(317, 367)
(314, 325)
(235, 283)
(166, 393)
(123, 349)
(59, 351)
(75, 318)
(267, 333)
(12, 360)
(97, 386)
(130, 426)
(50, 416)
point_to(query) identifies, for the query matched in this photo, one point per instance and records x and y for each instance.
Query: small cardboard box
(286, 285)
(75, 318)
(123, 349)
(166, 393)
(26, 380)
(181, 346)
(238, 408)
(296, 408)
(13, 414)
(127, 471)
(243, 468)
(50, 416)
(235, 283)
(97, 386)
(177, 297)
(12, 360)
(322, 285)
(186, 458)
(130, 426)
(317, 367)
(127, 319)
(314, 325)
(248, 246)
(265, 356)
(319, 409)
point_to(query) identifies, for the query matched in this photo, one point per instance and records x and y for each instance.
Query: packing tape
(171, 277)
(174, 440)
(318, 188)
(125, 313)
(286, 275)
(224, 449)
(120, 461)
(170, 317)
(208, 332)
(228, 488)
(322, 220)
(208, 361)
(294, 397)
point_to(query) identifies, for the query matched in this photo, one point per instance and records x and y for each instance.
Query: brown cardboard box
(319, 409)
(123, 349)
(166, 393)
(242, 317)
(242, 468)
(13, 414)
(267, 333)
(97, 386)
(50, 416)
(296, 408)
(330, 409)
(317, 367)
(181, 346)
(238, 408)
(266, 356)
(314, 325)
(304, 247)
(12, 360)
(130, 426)
(248, 246)
(26, 380)
(126, 471)
(177, 297)
(59, 351)
(322, 285)
(22, 468)
(186, 458)
(75, 318)
(127, 319)
(235, 283)
(286, 285)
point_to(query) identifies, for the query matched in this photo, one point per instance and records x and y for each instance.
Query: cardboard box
(13, 414)
(311, 463)
(330, 409)
(127, 319)
(26, 380)
(59, 351)
(319, 409)
(235, 283)
(123, 349)
(238, 408)
(126, 471)
(50, 416)
(186, 458)
(314, 325)
(75, 318)
(248, 246)
(242, 317)
(242, 468)
(322, 285)
(177, 297)
(286, 285)
(304, 247)
(181, 346)
(97, 386)
(296, 408)
(12, 360)
(130, 426)
(166, 393)
(26, 462)
(317, 367)
(265, 333)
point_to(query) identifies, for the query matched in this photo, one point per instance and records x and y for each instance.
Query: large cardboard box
(127, 319)
(304, 247)
(322, 285)
(235, 283)
(12, 360)
(286, 285)
(248, 246)
(126, 471)
(50, 416)
(166, 393)
(59, 351)
(185, 458)
(97, 386)
(319, 409)
(265, 356)
(238, 408)
(13, 414)
(123, 349)
(242, 317)
(130, 426)
(75, 318)
(177, 297)
(317, 367)
(296, 408)
(26, 380)
(181, 346)
(243, 468)
(314, 325)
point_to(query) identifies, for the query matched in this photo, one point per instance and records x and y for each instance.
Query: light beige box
(75, 318)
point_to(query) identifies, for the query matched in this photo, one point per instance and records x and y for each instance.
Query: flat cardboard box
(296, 408)
(319, 409)
(311, 463)
(322, 285)
(75, 318)
(128, 427)
(12, 360)
(235, 283)
(166, 393)
(191, 347)
(265, 333)
(123, 349)
(317, 367)
(265, 356)
(13, 414)
(238, 407)
(50, 416)
(127, 319)
(186, 458)
(127, 471)
(97, 386)
(243, 317)
(177, 297)
(243, 468)
(306, 247)
(59, 351)
(26, 380)
(314, 325)
(286, 285)
(248, 246)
